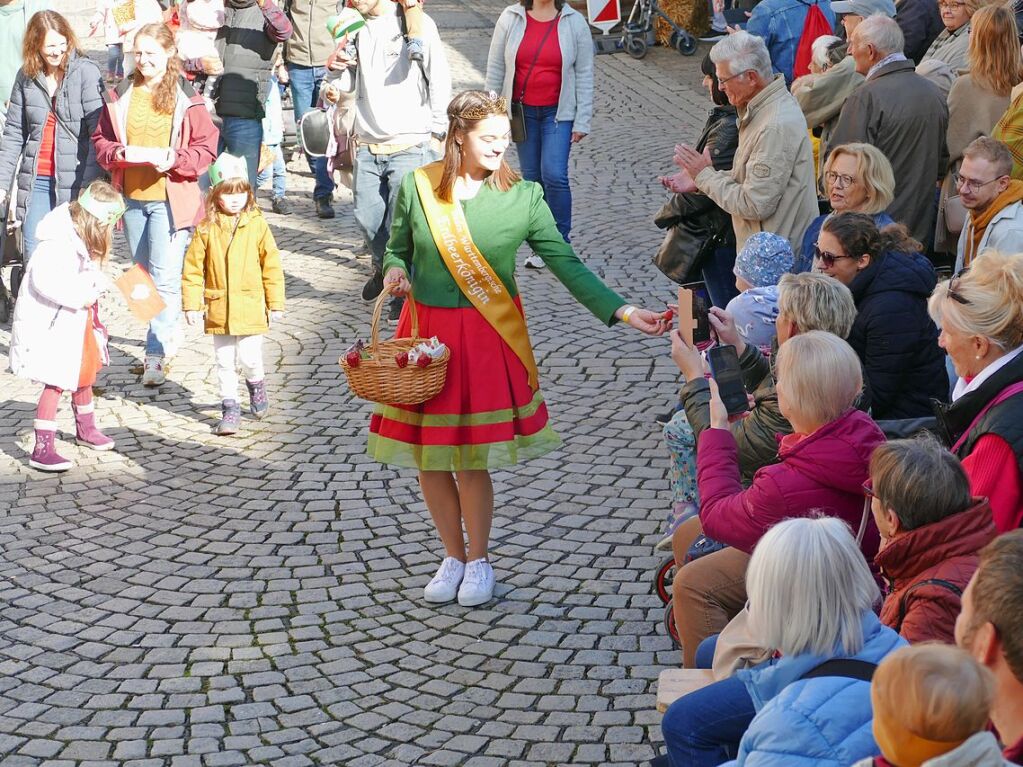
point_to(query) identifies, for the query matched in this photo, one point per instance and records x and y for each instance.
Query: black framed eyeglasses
(723, 80)
(828, 259)
(954, 294)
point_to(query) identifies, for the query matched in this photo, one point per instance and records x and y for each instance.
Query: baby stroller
(638, 34)
(10, 254)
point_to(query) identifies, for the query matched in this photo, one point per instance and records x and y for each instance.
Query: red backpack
(815, 25)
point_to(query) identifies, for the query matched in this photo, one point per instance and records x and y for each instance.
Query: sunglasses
(828, 259)
(954, 294)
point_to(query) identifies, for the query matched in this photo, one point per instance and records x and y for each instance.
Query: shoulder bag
(518, 116)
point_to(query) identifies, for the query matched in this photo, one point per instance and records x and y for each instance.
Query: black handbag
(518, 114)
(696, 228)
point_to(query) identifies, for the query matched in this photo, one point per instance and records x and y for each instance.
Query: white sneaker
(153, 373)
(444, 586)
(477, 585)
(534, 262)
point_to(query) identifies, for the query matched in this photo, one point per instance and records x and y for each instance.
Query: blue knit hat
(764, 259)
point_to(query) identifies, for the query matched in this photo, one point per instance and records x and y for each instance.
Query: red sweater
(47, 150)
(994, 472)
(543, 88)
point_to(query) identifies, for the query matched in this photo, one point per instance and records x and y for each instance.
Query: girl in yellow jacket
(233, 274)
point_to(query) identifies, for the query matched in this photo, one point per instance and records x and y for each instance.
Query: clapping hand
(679, 183)
(691, 161)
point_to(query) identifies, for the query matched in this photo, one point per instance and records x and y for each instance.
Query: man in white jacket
(400, 118)
(992, 200)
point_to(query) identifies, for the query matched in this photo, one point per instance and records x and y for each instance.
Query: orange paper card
(139, 291)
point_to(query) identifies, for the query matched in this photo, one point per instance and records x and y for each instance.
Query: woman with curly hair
(156, 138)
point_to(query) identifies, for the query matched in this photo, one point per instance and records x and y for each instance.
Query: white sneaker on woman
(444, 586)
(534, 261)
(477, 584)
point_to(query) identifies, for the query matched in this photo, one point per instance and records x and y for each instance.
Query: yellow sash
(470, 270)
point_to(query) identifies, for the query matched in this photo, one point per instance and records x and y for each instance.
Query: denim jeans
(115, 60)
(160, 251)
(276, 173)
(704, 728)
(719, 277)
(243, 137)
(41, 201)
(305, 92)
(375, 185)
(543, 157)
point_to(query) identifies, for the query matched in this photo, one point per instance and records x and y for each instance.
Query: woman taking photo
(156, 138)
(857, 178)
(490, 413)
(895, 339)
(56, 101)
(978, 99)
(541, 56)
(980, 313)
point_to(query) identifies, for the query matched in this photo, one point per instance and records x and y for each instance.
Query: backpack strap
(844, 667)
(905, 597)
(403, 25)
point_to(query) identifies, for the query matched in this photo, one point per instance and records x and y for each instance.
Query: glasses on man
(963, 182)
(723, 80)
(828, 259)
(953, 285)
(840, 180)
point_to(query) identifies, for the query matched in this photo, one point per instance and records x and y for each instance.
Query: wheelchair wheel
(684, 43)
(635, 46)
(662, 581)
(670, 627)
(17, 272)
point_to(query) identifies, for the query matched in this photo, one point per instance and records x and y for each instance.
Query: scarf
(979, 221)
(1009, 130)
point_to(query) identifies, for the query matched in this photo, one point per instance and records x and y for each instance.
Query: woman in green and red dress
(475, 209)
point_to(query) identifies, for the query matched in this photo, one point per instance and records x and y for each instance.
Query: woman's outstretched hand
(396, 282)
(651, 323)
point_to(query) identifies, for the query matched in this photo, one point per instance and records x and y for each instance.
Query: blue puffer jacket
(823, 722)
(896, 339)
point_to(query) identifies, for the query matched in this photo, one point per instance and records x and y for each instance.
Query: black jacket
(895, 337)
(920, 22)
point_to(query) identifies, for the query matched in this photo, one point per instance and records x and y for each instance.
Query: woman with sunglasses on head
(857, 178)
(980, 313)
(55, 105)
(895, 339)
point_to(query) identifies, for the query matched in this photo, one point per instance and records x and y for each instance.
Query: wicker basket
(379, 379)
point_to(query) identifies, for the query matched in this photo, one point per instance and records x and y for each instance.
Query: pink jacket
(193, 136)
(822, 474)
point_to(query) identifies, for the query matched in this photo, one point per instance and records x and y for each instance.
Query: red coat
(822, 474)
(945, 550)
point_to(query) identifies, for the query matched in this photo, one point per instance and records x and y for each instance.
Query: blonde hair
(993, 286)
(97, 235)
(819, 375)
(996, 63)
(809, 588)
(874, 170)
(934, 691)
(481, 104)
(815, 301)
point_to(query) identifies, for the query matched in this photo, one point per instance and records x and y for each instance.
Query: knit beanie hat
(764, 259)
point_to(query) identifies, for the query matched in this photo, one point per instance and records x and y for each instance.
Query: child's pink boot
(45, 456)
(87, 433)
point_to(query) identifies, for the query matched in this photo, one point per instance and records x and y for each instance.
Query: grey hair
(809, 588)
(743, 52)
(822, 56)
(881, 31)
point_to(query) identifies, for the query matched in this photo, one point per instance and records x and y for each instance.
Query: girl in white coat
(57, 338)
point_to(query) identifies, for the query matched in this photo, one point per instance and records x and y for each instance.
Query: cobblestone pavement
(194, 600)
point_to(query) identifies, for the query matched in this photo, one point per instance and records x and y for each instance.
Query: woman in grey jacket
(541, 55)
(55, 105)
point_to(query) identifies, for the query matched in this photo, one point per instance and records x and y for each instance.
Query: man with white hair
(902, 114)
(770, 187)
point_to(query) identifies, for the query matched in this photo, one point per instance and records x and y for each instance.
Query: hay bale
(692, 15)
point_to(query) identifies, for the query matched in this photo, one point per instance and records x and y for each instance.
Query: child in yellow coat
(233, 273)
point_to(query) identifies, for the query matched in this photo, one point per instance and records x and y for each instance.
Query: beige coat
(770, 187)
(821, 97)
(972, 113)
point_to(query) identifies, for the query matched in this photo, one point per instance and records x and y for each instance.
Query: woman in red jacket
(932, 531)
(821, 472)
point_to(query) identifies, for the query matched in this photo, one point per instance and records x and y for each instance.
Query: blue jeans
(276, 173)
(543, 157)
(41, 201)
(242, 138)
(719, 277)
(305, 92)
(375, 185)
(160, 250)
(704, 728)
(115, 60)
(705, 652)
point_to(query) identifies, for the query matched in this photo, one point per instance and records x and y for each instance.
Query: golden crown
(492, 106)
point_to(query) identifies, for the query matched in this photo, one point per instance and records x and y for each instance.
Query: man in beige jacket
(770, 187)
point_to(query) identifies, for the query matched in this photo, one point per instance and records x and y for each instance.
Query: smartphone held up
(725, 369)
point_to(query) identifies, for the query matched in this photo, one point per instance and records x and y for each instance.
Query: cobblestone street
(192, 600)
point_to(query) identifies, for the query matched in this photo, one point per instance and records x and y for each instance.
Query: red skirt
(485, 417)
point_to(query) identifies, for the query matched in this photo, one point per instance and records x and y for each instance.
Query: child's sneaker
(230, 418)
(444, 586)
(153, 373)
(280, 206)
(477, 584)
(414, 47)
(259, 405)
(676, 517)
(44, 455)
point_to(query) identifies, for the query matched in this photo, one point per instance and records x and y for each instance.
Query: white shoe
(444, 586)
(477, 585)
(153, 373)
(534, 262)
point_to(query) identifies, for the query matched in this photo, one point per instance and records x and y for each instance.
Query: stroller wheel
(684, 43)
(5, 304)
(670, 627)
(663, 579)
(17, 272)
(635, 46)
